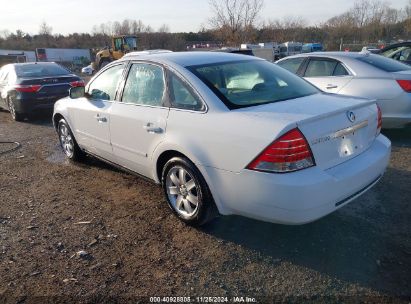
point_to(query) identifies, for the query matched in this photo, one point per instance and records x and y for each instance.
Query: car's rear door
(329, 75)
(138, 122)
(92, 114)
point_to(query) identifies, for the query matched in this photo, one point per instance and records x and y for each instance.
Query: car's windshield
(40, 70)
(247, 83)
(385, 64)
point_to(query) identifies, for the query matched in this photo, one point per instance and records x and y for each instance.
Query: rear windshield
(247, 83)
(385, 64)
(40, 70)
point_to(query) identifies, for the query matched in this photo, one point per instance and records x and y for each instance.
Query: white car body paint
(222, 142)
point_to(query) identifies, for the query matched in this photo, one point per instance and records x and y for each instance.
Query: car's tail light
(405, 85)
(288, 153)
(77, 83)
(379, 119)
(32, 88)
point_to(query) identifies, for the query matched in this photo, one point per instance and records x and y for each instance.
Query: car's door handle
(101, 118)
(331, 86)
(151, 128)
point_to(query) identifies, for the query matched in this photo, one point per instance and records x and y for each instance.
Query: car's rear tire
(187, 192)
(68, 142)
(16, 116)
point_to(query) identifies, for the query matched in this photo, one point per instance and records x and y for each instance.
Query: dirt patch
(51, 209)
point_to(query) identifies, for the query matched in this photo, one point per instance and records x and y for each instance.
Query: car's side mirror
(77, 92)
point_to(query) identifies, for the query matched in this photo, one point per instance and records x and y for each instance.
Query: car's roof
(192, 58)
(9, 65)
(333, 54)
(32, 63)
(341, 56)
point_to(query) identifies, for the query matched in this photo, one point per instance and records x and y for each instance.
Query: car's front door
(92, 113)
(138, 122)
(329, 75)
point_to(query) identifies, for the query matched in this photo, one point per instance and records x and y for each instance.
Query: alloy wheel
(182, 191)
(66, 140)
(12, 109)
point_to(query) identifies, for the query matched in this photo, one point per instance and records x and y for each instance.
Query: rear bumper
(27, 106)
(302, 196)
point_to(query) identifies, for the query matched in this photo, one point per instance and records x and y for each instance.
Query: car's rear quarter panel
(224, 140)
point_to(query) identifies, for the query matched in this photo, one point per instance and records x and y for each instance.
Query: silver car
(359, 74)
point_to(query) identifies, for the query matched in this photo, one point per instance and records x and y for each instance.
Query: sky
(69, 16)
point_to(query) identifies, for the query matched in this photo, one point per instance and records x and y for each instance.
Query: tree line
(233, 22)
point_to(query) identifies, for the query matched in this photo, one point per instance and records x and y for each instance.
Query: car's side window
(292, 64)
(105, 85)
(145, 85)
(320, 68)
(182, 95)
(340, 70)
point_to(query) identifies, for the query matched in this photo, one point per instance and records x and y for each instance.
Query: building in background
(16, 56)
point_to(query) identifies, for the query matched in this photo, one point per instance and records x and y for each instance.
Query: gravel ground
(51, 210)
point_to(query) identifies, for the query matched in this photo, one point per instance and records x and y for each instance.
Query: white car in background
(227, 133)
(359, 74)
(88, 70)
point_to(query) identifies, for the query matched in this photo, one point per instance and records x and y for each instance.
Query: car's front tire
(68, 142)
(187, 192)
(16, 116)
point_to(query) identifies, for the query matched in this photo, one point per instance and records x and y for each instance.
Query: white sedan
(228, 134)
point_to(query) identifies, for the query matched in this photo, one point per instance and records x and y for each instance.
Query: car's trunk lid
(51, 86)
(337, 128)
(402, 75)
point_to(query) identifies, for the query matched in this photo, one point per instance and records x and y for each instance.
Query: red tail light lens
(379, 119)
(27, 88)
(288, 153)
(78, 83)
(405, 85)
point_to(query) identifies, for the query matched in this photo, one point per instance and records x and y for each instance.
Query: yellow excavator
(120, 45)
